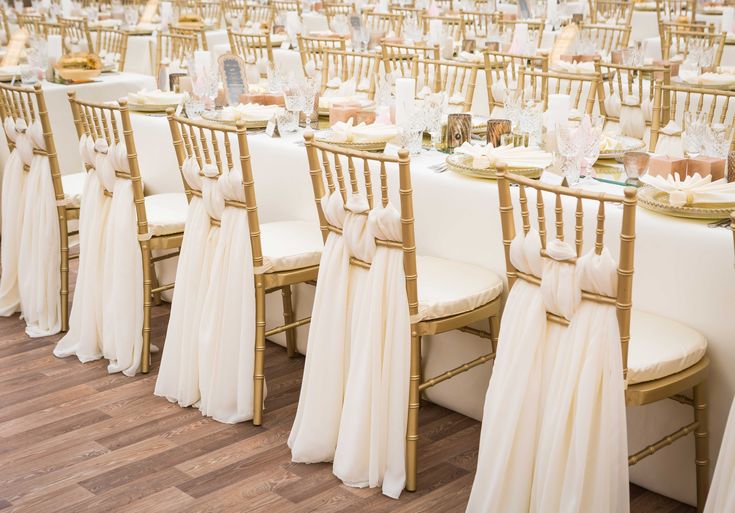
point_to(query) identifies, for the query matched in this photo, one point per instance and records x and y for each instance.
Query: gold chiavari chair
(363, 68)
(76, 31)
(456, 79)
(383, 22)
(210, 11)
(259, 13)
(607, 37)
(681, 42)
(233, 11)
(312, 48)
(671, 101)
(508, 27)
(251, 47)
(284, 6)
(399, 58)
(113, 41)
(160, 221)
(476, 23)
(48, 28)
(673, 10)
(29, 104)
(273, 270)
(199, 35)
(342, 177)
(451, 25)
(621, 82)
(502, 73)
(414, 13)
(581, 88)
(31, 23)
(174, 48)
(5, 26)
(333, 9)
(636, 329)
(610, 10)
(445, 5)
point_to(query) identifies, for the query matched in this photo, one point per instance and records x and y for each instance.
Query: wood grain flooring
(76, 439)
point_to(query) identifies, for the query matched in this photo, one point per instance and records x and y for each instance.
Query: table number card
(150, 10)
(15, 47)
(233, 71)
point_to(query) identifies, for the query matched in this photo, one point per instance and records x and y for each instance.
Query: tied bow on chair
(693, 189)
(669, 140)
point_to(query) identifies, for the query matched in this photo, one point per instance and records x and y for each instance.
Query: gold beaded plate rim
(144, 107)
(457, 164)
(614, 154)
(253, 123)
(658, 201)
(364, 146)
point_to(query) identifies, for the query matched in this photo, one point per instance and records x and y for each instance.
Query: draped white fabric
(39, 280)
(582, 462)
(178, 377)
(122, 294)
(721, 497)
(227, 330)
(84, 338)
(372, 436)
(14, 180)
(313, 436)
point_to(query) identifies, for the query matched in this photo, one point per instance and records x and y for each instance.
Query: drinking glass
(433, 113)
(693, 135)
(308, 91)
(530, 120)
(717, 143)
(568, 146)
(294, 100)
(512, 103)
(131, 16)
(193, 106)
(287, 122)
(411, 127)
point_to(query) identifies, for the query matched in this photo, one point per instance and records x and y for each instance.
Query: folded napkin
(470, 57)
(513, 157)
(107, 23)
(146, 26)
(574, 67)
(157, 97)
(709, 79)
(693, 190)
(249, 112)
(326, 102)
(610, 143)
(362, 133)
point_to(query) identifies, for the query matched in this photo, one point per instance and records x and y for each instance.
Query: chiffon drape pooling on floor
(14, 180)
(39, 280)
(178, 377)
(84, 338)
(721, 497)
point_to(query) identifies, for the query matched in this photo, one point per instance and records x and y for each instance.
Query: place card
(233, 71)
(149, 12)
(15, 47)
(271, 129)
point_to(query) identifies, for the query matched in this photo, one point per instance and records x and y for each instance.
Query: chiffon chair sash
(314, 433)
(178, 377)
(372, 436)
(39, 281)
(14, 181)
(84, 338)
(227, 327)
(582, 462)
(122, 294)
(721, 497)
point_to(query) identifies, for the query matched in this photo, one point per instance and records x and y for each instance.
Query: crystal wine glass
(568, 146)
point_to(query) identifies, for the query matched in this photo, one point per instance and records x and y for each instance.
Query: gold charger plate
(460, 165)
(618, 154)
(362, 146)
(658, 201)
(217, 118)
(145, 107)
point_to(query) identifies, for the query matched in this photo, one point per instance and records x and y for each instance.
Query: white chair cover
(513, 412)
(84, 338)
(313, 436)
(178, 377)
(39, 280)
(14, 180)
(122, 294)
(721, 497)
(582, 462)
(372, 436)
(227, 329)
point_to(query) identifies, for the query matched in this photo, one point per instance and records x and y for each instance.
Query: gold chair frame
(115, 41)
(384, 22)
(251, 47)
(462, 321)
(177, 48)
(284, 6)
(675, 36)
(199, 35)
(622, 79)
(350, 64)
(401, 57)
(452, 24)
(638, 394)
(311, 48)
(506, 67)
(452, 77)
(608, 37)
(610, 10)
(537, 83)
(76, 29)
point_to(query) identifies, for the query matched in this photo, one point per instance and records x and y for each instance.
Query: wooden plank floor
(74, 438)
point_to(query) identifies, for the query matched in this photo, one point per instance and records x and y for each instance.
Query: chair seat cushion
(447, 287)
(290, 245)
(166, 213)
(660, 347)
(73, 185)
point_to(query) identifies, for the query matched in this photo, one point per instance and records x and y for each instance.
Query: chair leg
(288, 317)
(701, 444)
(64, 234)
(494, 332)
(258, 367)
(145, 362)
(412, 430)
(155, 284)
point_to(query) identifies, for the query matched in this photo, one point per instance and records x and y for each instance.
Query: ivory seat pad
(447, 287)
(660, 347)
(73, 185)
(290, 245)
(166, 212)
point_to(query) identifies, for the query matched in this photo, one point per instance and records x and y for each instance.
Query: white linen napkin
(574, 67)
(693, 190)
(157, 97)
(514, 157)
(362, 133)
(249, 112)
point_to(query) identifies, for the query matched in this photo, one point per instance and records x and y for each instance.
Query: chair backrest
(48, 28)
(363, 68)
(251, 47)
(259, 13)
(284, 6)
(407, 12)
(626, 81)
(504, 68)
(234, 10)
(210, 11)
(341, 168)
(312, 48)
(5, 26)
(476, 23)
(76, 30)
(508, 27)
(30, 22)
(384, 22)
(333, 9)
(607, 37)
(622, 300)
(581, 88)
(400, 58)
(29, 104)
(212, 144)
(456, 79)
(671, 10)
(174, 48)
(682, 42)
(671, 101)
(451, 25)
(607, 10)
(113, 41)
(199, 34)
